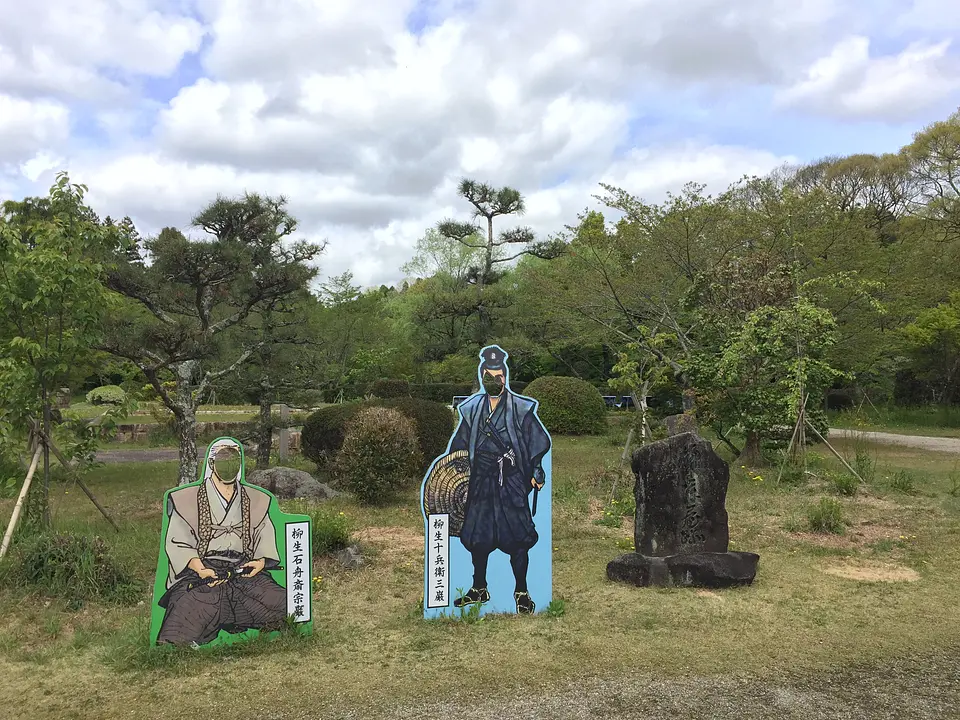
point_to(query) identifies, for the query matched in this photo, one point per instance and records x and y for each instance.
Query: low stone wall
(133, 432)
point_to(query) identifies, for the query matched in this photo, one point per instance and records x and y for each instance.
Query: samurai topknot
(494, 358)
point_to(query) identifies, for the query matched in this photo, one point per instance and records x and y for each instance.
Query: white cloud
(85, 50)
(27, 127)
(367, 127)
(850, 83)
(41, 163)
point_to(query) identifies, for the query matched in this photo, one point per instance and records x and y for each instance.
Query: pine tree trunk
(185, 413)
(483, 317)
(264, 430)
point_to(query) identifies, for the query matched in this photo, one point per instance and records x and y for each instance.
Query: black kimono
(506, 451)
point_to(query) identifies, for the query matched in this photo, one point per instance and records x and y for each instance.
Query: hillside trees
(489, 203)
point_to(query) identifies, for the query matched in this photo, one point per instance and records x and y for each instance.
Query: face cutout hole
(226, 463)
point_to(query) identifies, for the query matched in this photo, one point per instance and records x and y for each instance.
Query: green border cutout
(280, 520)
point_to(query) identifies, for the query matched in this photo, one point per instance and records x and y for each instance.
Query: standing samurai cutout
(221, 555)
(481, 502)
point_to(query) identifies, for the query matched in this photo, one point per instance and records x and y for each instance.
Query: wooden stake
(786, 455)
(838, 455)
(19, 506)
(69, 466)
(623, 459)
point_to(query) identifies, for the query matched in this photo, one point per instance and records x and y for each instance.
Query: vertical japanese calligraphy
(489, 495)
(437, 581)
(298, 571)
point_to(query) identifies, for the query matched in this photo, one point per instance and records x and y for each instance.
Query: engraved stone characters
(681, 535)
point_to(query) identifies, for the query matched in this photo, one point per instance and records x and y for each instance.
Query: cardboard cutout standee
(487, 505)
(231, 564)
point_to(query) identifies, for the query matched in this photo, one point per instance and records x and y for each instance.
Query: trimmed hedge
(107, 395)
(324, 430)
(440, 392)
(569, 406)
(385, 388)
(445, 392)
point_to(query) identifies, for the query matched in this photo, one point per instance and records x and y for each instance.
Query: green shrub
(864, 463)
(330, 529)
(380, 455)
(433, 423)
(793, 475)
(569, 406)
(74, 567)
(385, 388)
(827, 517)
(845, 484)
(903, 482)
(323, 432)
(107, 395)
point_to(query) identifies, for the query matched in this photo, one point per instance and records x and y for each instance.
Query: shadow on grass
(129, 649)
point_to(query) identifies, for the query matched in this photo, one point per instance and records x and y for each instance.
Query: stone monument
(681, 535)
(679, 424)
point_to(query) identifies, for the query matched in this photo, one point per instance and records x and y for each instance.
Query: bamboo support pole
(19, 506)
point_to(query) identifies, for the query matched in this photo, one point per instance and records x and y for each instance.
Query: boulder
(681, 534)
(289, 483)
(350, 557)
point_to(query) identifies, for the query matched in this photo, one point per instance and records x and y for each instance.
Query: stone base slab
(704, 569)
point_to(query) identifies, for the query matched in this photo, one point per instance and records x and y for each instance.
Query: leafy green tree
(53, 252)
(438, 310)
(934, 159)
(761, 350)
(361, 338)
(932, 345)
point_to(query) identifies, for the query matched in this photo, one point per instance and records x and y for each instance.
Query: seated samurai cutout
(220, 543)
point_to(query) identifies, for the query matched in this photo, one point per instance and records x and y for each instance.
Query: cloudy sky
(365, 113)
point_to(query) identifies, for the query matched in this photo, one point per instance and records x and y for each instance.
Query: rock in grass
(350, 557)
(289, 483)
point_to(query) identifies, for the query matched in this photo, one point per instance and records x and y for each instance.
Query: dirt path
(940, 444)
(919, 688)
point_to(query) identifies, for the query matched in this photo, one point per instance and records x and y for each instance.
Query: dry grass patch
(867, 571)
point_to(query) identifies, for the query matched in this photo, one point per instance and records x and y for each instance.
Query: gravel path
(940, 444)
(918, 688)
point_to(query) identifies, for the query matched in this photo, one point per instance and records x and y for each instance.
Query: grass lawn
(931, 421)
(206, 413)
(822, 605)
